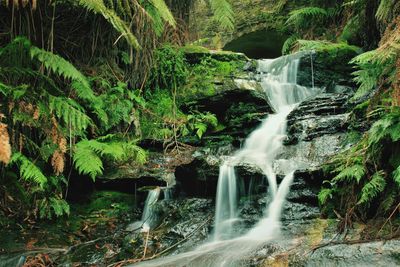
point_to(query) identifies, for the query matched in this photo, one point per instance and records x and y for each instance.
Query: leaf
(396, 176)
(223, 14)
(28, 170)
(371, 189)
(351, 173)
(324, 195)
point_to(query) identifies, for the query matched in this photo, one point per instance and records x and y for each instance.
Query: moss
(194, 49)
(109, 200)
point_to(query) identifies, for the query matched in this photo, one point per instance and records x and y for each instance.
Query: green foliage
(372, 65)
(97, 6)
(307, 17)
(351, 30)
(362, 175)
(385, 9)
(62, 68)
(372, 188)
(50, 106)
(350, 174)
(289, 44)
(223, 14)
(170, 69)
(106, 148)
(324, 195)
(53, 206)
(200, 122)
(163, 11)
(28, 170)
(326, 46)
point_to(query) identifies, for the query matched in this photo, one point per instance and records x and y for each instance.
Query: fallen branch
(121, 263)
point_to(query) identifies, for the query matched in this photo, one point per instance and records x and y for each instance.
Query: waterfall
(148, 210)
(278, 78)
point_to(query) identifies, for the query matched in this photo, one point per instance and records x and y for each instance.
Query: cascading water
(147, 216)
(278, 79)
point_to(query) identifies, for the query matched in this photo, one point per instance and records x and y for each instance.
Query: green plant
(223, 13)
(200, 122)
(50, 106)
(307, 16)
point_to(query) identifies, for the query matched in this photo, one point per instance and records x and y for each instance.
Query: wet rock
(330, 67)
(359, 255)
(299, 211)
(327, 113)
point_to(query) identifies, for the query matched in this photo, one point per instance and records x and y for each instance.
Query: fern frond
(86, 160)
(65, 69)
(303, 17)
(387, 127)
(324, 195)
(223, 13)
(164, 11)
(59, 206)
(352, 173)
(87, 154)
(98, 7)
(70, 112)
(289, 44)
(371, 189)
(384, 10)
(28, 170)
(396, 176)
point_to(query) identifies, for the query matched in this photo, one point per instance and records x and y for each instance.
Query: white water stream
(278, 79)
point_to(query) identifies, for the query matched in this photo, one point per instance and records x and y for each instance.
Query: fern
(373, 65)
(53, 206)
(70, 112)
(324, 195)
(200, 122)
(163, 11)
(103, 147)
(28, 170)
(352, 173)
(304, 17)
(384, 10)
(97, 6)
(396, 176)
(289, 44)
(63, 68)
(223, 13)
(86, 160)
(387, 127)
(371, 189)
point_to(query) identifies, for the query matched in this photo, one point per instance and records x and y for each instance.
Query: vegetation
(368, 171)
(66, 107)
(83, 85)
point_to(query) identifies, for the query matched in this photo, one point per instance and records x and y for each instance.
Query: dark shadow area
(259, 44)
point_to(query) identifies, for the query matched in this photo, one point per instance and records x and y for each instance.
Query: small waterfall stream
(148, 214)
(261, 149)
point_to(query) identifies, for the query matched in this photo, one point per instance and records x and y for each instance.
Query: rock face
(316, 129)
(250, 16)
(327, 68)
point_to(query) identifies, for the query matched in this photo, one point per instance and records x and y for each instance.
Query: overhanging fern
(223, 13)
(28, 170)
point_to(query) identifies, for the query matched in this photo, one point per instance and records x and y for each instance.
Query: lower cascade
(261, 149)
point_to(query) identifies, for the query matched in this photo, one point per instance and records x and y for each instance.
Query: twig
(391, 215)
(352, 242)
(145, 243)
